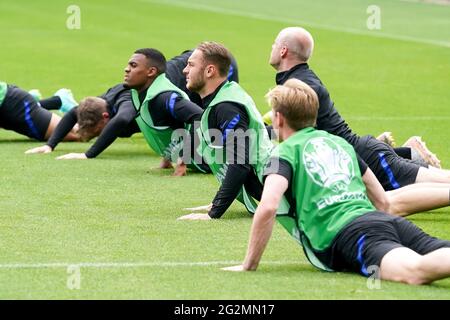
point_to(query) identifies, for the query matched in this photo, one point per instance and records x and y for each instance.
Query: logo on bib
(328, 164)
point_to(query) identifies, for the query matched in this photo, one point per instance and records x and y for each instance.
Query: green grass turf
(119, 208)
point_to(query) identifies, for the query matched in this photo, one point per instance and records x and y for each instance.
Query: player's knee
(396, 210)
(387, 205)
(416, 273)
(407, 270)
(416, 280)
(392, 205)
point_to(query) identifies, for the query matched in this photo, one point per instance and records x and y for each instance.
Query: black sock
(404, 152)
(52, 103)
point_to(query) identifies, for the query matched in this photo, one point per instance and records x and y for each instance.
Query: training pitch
(107, 229)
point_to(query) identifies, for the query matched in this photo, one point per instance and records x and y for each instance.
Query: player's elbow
(122, 122)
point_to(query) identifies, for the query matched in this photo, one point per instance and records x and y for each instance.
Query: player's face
(274, 119)
(275, 57)
(136, 72)
(276, 124)
(195, 72)
(94, 132)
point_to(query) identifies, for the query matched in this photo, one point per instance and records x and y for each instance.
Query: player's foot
(180, 170)
(165, 164)
(67, 100)
(36, 94)
(267, 118)
(417, 144)
(387, 138)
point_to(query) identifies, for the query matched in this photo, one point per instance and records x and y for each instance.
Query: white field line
(101, 265)
(432, 2)
(261, 16)
(394, 118)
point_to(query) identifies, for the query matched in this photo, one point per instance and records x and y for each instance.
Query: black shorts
(391, 170)
(21, 113)
(367, 239)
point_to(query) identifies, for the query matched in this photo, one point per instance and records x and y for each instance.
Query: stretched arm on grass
(263, 222)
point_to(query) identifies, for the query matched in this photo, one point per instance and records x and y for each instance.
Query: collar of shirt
(207, 100)
(282, 77)
(142, 95)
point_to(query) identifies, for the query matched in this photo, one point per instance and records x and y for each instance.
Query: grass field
(115, 216)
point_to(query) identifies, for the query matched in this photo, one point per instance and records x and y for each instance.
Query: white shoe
(387, 138)
(67, 100)
(36, 94)
(429, 157)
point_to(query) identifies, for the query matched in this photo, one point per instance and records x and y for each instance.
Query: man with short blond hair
(333, 218)
(216, 54)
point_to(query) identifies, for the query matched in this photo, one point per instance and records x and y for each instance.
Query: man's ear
(279, 119)
(152, 72)
(105, 115)
(283, 52)
(210, 70)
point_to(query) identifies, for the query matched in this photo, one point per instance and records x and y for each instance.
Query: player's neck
(285, 133)
(146, 86)
(288, 64)
(210, 87)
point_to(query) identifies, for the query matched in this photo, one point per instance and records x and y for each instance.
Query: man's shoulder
(116, 91)
(229, 107)
(325, 134)
(169, 94)
(165, 99)
(309, 77)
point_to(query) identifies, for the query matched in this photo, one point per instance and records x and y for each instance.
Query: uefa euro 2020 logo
(328, 164)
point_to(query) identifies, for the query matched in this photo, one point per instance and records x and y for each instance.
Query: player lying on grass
(174, 72)
(20, 112)
(332, 217)
(108, 116)
(414, 148)
(290, 53)
(238, 163)
(235, 159)
(163, 109)
(113, 115)
(157, 108)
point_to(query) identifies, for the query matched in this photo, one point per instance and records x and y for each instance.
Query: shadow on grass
(289, 267)
(441, 285)
(431, 217)
(237, 215)
(10, 141)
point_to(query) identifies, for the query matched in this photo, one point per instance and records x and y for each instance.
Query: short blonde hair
(216, 54)
(297, 102)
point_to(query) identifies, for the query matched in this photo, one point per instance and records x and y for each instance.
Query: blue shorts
(367, 239)
(19, 112)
